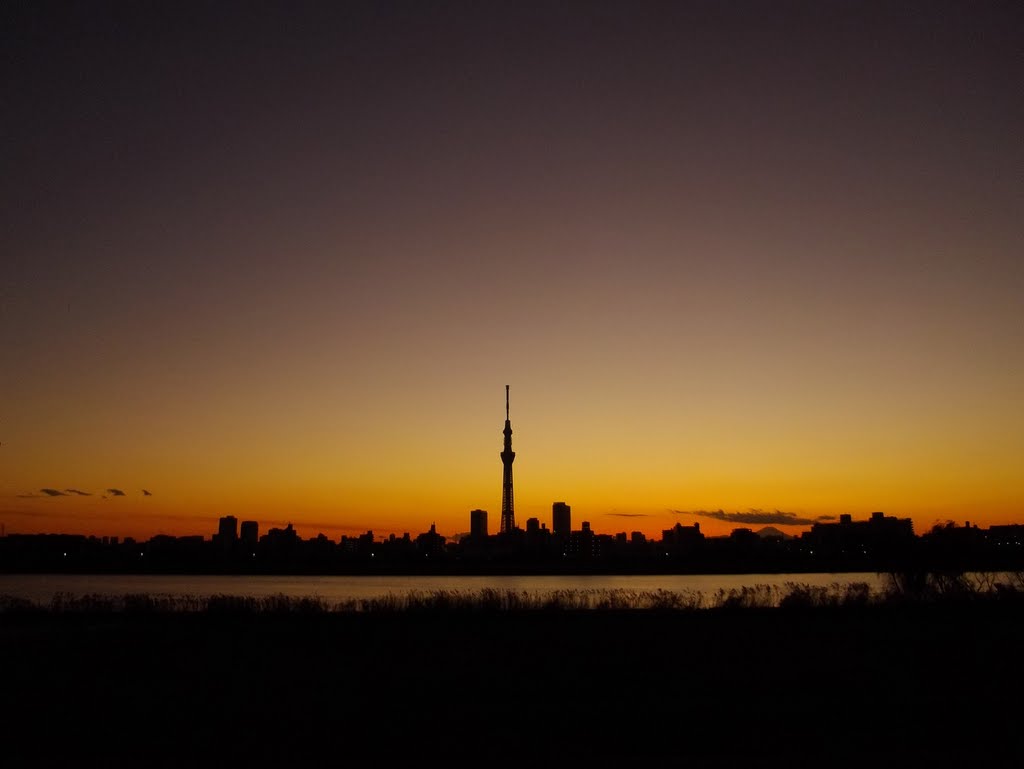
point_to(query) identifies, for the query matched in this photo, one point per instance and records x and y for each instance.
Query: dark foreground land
(888, 685)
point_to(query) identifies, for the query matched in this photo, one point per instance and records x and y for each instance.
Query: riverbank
(828, 685)
(61, 594)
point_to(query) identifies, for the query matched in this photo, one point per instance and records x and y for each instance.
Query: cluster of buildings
(879, 543)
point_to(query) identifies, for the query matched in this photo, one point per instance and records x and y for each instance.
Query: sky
(279, 261)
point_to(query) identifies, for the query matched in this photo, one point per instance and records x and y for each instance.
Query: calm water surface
(42, 587)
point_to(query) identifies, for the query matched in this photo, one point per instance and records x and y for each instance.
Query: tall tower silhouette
(508, 515)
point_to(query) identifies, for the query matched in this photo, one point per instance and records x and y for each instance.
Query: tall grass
(901, 588)
(943, 587)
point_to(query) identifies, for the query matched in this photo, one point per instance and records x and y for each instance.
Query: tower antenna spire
(508, 515)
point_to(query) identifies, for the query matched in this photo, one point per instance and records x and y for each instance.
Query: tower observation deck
(508, 516)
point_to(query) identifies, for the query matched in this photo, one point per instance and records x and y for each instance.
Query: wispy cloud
(759, 517)
(77, 493)
(629, 515)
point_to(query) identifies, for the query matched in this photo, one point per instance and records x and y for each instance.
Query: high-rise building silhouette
(249, 533)
(508, 516)
(227, 529)
(561, 521)
(478, 524)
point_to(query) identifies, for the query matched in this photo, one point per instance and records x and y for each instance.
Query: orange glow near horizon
(401, 481)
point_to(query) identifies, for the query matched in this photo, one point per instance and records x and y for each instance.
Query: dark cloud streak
(759, 517)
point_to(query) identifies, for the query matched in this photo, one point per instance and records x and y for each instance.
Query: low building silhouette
(430, 543)
(878, 540)
(583, 544)
(682, 540)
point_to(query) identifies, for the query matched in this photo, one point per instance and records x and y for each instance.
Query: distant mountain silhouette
(771, 531)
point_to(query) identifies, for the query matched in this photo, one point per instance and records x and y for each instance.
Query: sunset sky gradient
(279, 260)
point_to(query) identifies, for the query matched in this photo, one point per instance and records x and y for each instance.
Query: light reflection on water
(41, 588)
